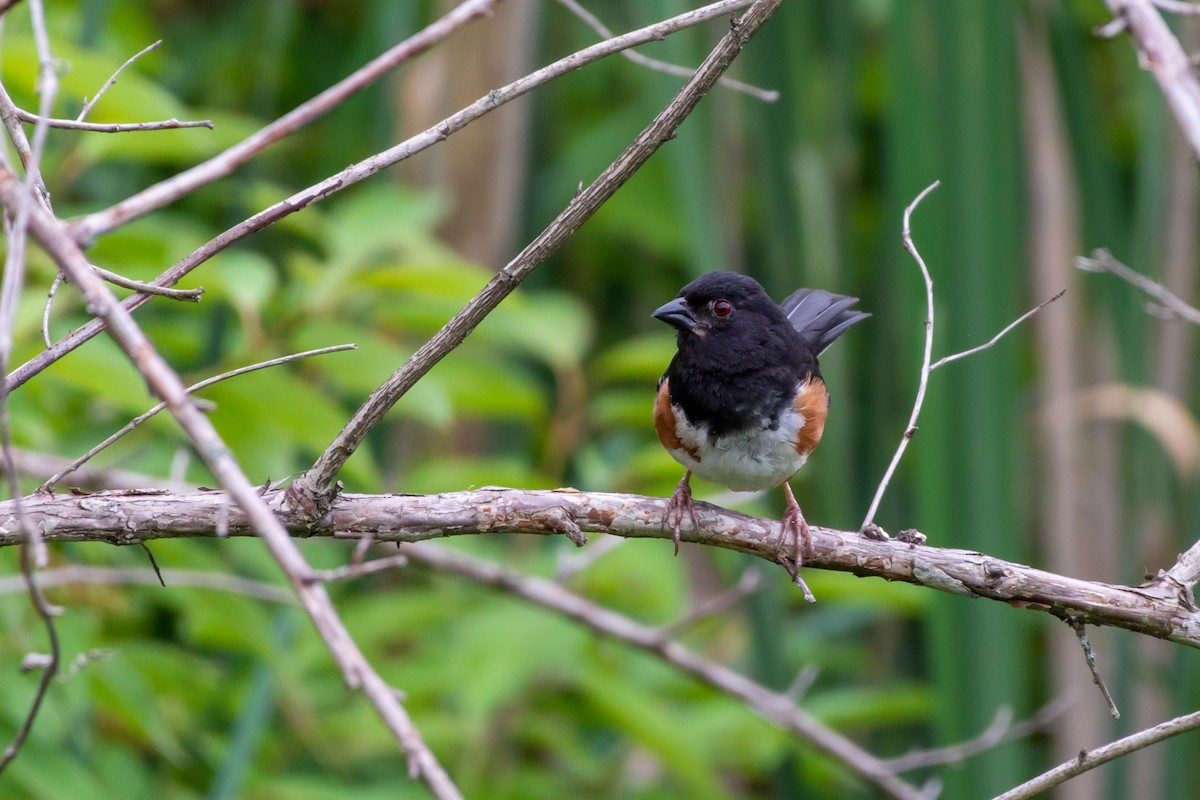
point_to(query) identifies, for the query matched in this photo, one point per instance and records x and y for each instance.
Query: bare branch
(1177, 7)
(992, 342)
(376, 163)
(38, 464)
(1160, 53)
(1000, 731)
(58, 476)
(906, 238)
(1156, 608)
(593, 22)
(1090, 656)
(113, 127)
(1103, 261)
(868, 526)
(776, 708)
(1088, 760)
(226, 162)
(315, 485)
(88, 104)
(187, 295)
(175, 578)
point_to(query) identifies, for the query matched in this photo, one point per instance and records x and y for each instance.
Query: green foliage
(202, 693)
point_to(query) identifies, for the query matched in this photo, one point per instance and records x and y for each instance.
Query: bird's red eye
(722, 308)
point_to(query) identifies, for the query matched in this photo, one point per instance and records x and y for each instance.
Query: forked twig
(593, 22)
(927, 366)
(88, 104)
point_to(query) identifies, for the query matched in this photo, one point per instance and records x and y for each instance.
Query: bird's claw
(680, 503)
(801, 536)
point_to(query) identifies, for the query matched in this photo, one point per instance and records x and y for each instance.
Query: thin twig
(87, 104)
(225, 162)
(314, 486)
(774, 707)
(593, 22)
(177, 578)
(370, 166)
(350, 572)
(869, 525)
(1089, 655)
(1000, 731)
(113, 127)
(1177, 7)
(57, 282)
(926, 358)
(36, 465)
(992, 342)
(138, 420)
(1103, 261)
(154, 564)
(1090, 759)
(750, 582)
(187, 295)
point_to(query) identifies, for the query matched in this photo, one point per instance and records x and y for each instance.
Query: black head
(720, 303)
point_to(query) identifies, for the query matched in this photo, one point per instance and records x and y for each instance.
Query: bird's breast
(764, 453)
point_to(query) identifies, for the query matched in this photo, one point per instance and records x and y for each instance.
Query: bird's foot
(679, 504)
(793, 522)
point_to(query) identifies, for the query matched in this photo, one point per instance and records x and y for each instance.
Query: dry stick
(113, 127)
(1160, 52)
(593, 22)
(999, 731)
(1089, 655)
(138, 420)
(123, 518)
(941, 362)
(1177, 6)
(926, 358)
(1103, 261)
(25, 198)
(177, 578)
(378, 162)
(776, 708)
(224, 163)
(26, 462)
(927, 367)
(355, 669)
(316, 484)
(88, 104)
(1087, 760)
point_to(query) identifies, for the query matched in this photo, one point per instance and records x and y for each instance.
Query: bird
(742, 402)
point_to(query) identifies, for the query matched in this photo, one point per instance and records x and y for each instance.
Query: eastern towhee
(743, 402)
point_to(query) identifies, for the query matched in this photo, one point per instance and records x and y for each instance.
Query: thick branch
(1157, 608)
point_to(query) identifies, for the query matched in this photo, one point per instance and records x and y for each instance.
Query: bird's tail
(821, 317)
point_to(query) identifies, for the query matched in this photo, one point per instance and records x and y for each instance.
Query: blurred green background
(1071, 445)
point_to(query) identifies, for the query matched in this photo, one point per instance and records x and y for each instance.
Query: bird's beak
(677, 314)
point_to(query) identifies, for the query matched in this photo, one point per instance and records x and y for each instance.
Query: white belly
(749, 460)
